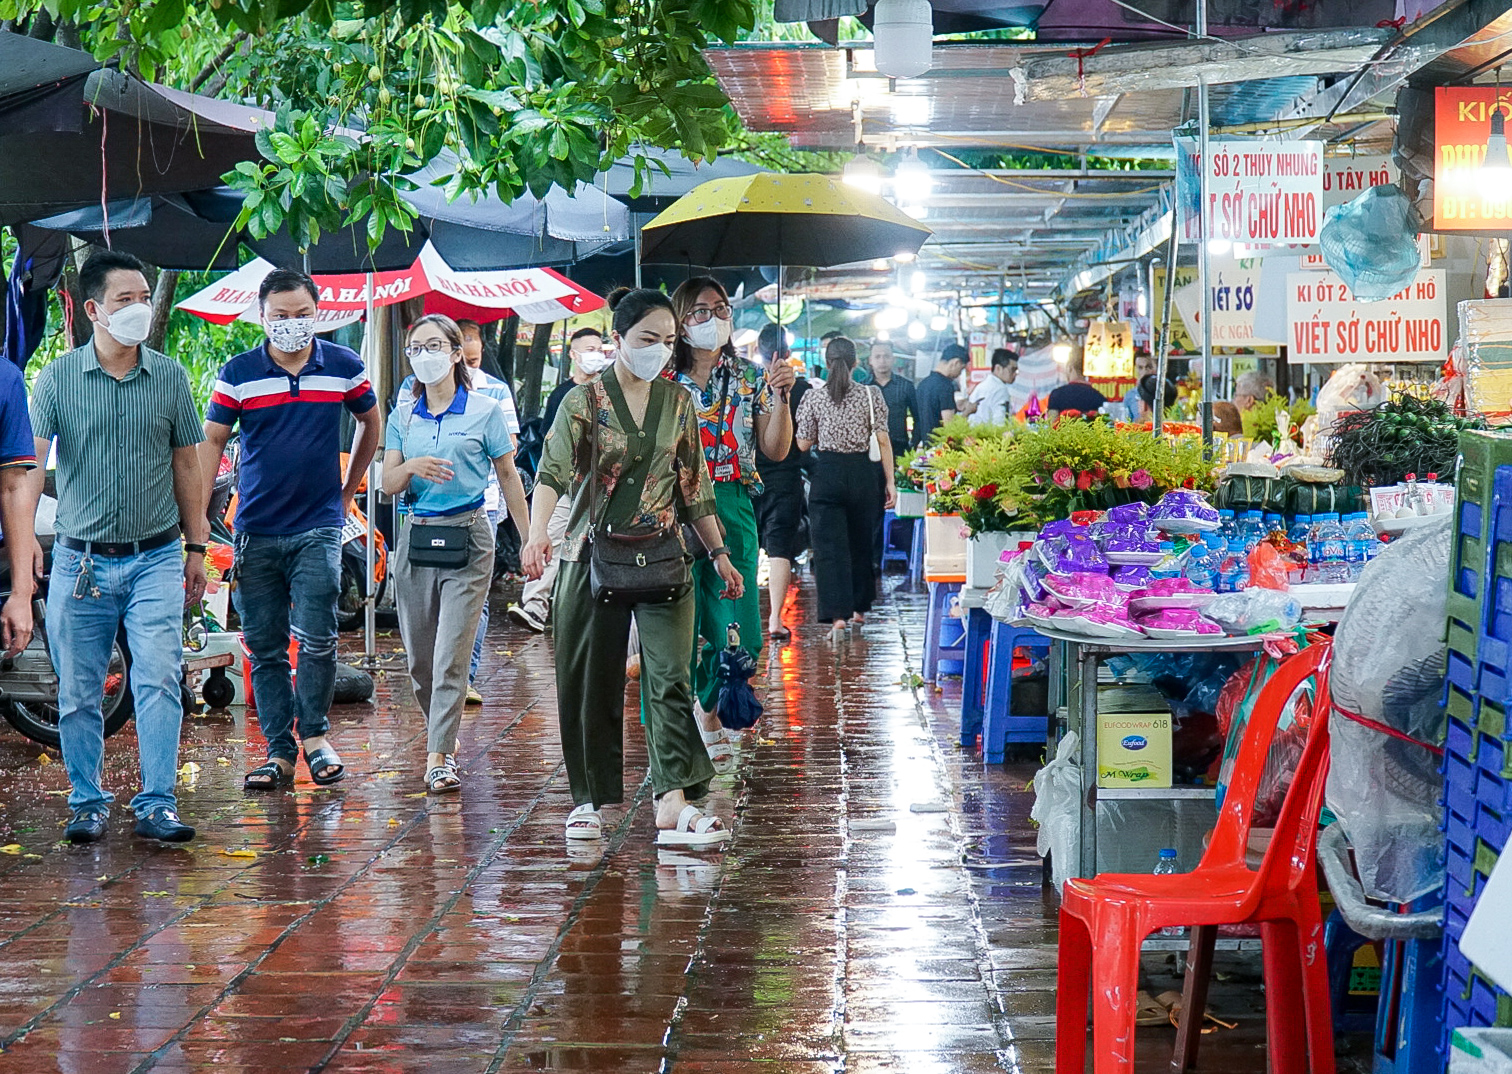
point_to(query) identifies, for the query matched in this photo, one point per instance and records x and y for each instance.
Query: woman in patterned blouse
(642, 425)
(849, 489)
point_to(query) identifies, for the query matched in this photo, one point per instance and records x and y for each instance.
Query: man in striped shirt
(128, 483)
(288, 395)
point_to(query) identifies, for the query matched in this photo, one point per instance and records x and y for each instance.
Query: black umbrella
(737, 704)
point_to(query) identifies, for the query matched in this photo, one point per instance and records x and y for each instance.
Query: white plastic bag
(1057, 810)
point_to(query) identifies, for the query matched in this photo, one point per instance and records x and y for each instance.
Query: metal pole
(637, 251)
(1163, 341)
(370, 600)
(1204, 119)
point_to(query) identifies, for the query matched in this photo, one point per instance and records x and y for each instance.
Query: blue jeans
(146, 594)
(477, 653)
(288, 584)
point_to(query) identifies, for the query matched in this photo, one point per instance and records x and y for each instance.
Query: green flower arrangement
(907, 478)
(1260, 420)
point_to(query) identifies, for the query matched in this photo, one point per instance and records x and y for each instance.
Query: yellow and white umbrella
(811, 221)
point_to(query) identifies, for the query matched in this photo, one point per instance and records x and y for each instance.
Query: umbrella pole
(638, 257)
(370, 601)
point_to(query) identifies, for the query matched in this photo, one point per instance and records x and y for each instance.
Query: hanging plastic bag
(1057, 811)
(1371, 243)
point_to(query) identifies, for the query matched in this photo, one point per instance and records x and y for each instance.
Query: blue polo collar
(313, 364)
(458, 406)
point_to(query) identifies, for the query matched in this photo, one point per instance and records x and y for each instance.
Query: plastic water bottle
(1253, 529)
(1364, 545)
(1171, 564)
(1332, 561)
(1301, 526)
(1226, 525)
(1165, 865)
(1233, 575)
(1273, 525)
(1204, 563)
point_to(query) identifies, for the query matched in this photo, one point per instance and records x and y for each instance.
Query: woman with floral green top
(736, 413)
(632, 415)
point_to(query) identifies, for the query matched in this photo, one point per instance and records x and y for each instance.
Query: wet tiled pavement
(880, 908)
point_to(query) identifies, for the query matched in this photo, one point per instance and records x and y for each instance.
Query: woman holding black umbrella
(852, 483)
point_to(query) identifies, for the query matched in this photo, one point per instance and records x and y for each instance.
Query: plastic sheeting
(1371, 242)
(1388, 667)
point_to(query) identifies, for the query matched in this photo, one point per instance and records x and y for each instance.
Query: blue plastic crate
(1455, 920)
(1491, 681)
(1490, 788)
(1491, 755)
(1461, 741)
(1459, 784)
(1483, 1000)
(1460, 833)
(1459, 863)
(1471, 518)
(1492, 827)
(1461, 673)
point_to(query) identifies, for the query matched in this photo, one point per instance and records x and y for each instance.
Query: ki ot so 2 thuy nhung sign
(1259, 193)
(1470, 191)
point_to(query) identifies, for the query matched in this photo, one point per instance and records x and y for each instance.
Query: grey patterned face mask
(291, 335)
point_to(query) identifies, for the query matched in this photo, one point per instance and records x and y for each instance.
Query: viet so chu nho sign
(1328, 324)
(1259, 193)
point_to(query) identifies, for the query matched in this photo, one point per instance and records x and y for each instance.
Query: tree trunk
(535, 365)
(509, 330)
(162, 305)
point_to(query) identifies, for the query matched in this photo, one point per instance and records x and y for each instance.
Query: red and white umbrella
(535, 295)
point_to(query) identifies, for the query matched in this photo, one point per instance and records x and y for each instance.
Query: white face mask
(129, 325)
(647, 362)
(431, 368)
(292, 334)
(593, 363)
(709, 336)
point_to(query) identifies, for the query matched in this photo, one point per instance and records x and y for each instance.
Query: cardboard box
(1134, 749)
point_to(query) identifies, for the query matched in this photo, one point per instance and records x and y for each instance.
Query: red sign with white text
(1465, 196)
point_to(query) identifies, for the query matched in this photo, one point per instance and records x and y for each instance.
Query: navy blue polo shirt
(291, 434)
(17, 446)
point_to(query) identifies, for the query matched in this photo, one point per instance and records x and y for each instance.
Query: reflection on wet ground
(880, 908)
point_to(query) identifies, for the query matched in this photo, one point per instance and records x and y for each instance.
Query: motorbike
(28, 683)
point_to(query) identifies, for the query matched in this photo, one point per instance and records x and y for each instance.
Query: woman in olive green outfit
(739, 407)
(646, 434)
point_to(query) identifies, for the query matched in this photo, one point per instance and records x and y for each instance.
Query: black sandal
(322, 761)
(276, 776)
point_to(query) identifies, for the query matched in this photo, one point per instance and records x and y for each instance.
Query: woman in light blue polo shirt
(442, 442)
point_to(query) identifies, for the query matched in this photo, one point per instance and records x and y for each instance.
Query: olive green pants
(591, 640)
(735, 510)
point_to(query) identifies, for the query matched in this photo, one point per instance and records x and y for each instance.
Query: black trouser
(845, 515)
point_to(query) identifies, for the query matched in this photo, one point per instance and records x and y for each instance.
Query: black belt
(117, 549)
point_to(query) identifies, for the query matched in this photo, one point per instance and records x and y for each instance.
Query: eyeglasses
(701, 314)
(435, 346)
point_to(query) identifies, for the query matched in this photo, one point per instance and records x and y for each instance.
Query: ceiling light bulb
(916, 330)
(918, 212)
(1061, 352)
(1219, 247)
(978, 316)
(864, 174)
(881, 265)
(1494, 176)
(938, 322)
(911, 181)
(883, 335)
(1140, 305)
(910, 111)
(918, 282)
(891, 317)
(903, 257)
(903, 37)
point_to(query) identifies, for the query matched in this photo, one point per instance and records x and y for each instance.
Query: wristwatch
(199, 548)
(722, 550)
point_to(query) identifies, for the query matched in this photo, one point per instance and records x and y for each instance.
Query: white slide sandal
(721, 750)
(584, 823)
(695, 828)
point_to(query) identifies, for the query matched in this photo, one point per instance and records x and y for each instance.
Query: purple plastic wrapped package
(1184, 511)
(1176, 623)
(1131, 578)
(1079, 554)
(1083, 588)
(1125, 514)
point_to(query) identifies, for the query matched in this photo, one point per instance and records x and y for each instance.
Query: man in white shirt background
(990, 402)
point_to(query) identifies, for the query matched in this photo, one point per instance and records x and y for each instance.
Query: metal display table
(1075, 660)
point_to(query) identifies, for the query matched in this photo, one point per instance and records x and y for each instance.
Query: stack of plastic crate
(1477, 750)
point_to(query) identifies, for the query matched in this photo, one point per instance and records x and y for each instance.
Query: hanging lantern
(903, 36)
(1109, 350)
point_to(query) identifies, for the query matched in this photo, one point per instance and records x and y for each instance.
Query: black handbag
(438, 546)
(626, 567)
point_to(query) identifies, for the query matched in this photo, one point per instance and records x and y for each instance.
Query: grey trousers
(438, 619)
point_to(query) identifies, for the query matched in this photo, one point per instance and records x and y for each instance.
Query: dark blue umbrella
(738, 707)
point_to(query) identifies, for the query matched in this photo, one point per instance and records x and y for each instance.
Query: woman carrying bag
(852, 483)
(442, 441)
(625, 446)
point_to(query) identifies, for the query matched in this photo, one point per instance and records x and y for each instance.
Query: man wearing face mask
(586, 351)
(288, 395)
(128, 485)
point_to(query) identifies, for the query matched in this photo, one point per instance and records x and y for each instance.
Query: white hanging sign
(1326, 323)
(1259, 193)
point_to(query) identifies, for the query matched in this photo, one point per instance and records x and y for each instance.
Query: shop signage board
(1259, 193)
(1462, 199)
(1326, 323)
(1235, 283)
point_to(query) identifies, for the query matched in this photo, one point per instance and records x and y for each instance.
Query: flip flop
(321, 761)
(277, 776)
(584, 822)
(695, 828)
(443, 778)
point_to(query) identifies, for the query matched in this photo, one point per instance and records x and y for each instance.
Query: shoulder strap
(626, 495)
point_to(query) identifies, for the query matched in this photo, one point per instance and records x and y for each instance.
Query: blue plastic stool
(975, 662)
(944, 635)
(916, 555)
(892, 552)
(1410, 1031)
(1340, 942)
(999, 725)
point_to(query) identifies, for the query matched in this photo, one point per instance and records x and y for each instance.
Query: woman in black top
(849, 489)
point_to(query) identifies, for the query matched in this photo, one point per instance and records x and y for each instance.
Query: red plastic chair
(1104, 921)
